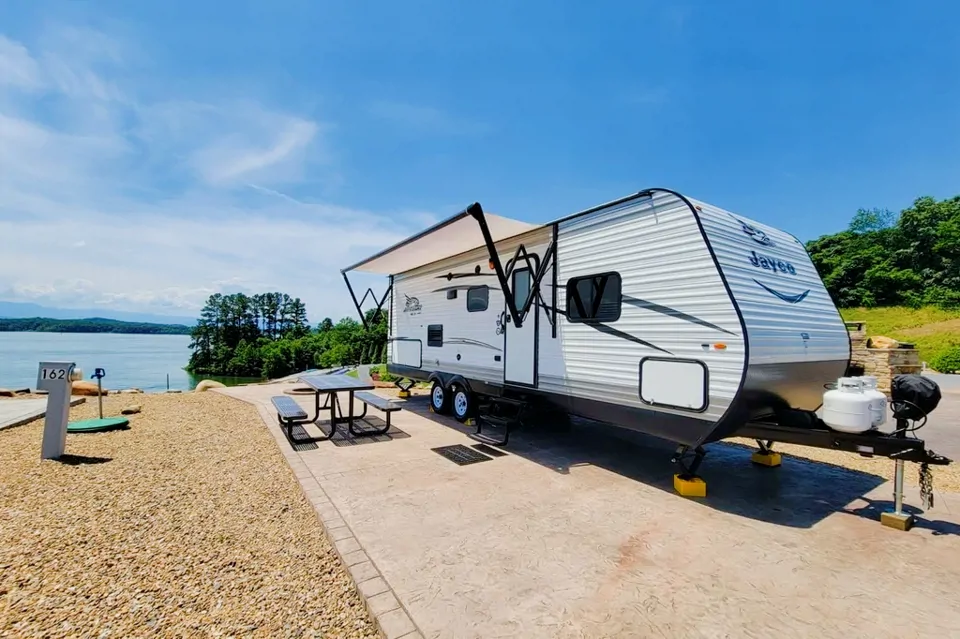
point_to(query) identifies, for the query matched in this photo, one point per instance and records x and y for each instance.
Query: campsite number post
(56, 378)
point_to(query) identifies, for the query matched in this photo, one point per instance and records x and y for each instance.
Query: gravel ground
(189, 524)
(945, 478)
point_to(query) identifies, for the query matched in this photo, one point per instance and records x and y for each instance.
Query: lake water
(130, 361)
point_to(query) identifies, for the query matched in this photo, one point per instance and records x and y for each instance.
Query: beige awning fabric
(453, 236)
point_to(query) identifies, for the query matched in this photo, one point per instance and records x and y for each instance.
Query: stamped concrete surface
(580, 534)
(14, 412)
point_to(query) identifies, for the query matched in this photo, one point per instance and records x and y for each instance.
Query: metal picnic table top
(331, 383)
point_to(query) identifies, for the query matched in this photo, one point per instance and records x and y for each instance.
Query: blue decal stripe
(792, 299)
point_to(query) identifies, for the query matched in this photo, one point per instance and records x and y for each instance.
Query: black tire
(462, 403)
(439, 399)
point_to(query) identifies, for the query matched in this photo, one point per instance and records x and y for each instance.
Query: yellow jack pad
(690, 486)
(770, 459)
(403, 394)
(902, 521)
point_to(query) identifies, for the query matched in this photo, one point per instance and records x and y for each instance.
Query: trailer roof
(453, 236)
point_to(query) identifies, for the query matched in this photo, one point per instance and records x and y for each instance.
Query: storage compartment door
(679, 384)
(407, 352)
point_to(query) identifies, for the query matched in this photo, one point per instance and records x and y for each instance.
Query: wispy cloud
(17, 67)
(426, 119)
(233, 157)
(112, 198)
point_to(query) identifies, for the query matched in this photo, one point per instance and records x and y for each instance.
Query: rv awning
(450, 237)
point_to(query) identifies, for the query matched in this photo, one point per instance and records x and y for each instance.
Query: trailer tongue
(913, 398)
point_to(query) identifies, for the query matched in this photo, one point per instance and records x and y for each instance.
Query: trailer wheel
(462, 403)
(439, 398)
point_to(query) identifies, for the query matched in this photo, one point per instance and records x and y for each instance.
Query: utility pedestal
(56, 378)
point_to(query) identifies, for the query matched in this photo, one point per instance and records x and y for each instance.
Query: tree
(886, 259)
(269, 335)
(865, 221)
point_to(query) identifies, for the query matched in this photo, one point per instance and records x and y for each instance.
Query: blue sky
(154, 153)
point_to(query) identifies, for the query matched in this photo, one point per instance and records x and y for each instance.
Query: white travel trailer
(654, 312)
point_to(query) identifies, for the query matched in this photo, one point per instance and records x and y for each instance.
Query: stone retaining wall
(882, 363)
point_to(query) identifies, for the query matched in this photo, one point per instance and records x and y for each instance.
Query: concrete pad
(580, 534)
(16, 412)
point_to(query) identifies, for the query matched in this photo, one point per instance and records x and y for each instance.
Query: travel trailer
(655, 312)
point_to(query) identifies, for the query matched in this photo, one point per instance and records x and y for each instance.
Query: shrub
(382, 373)
(947, 361)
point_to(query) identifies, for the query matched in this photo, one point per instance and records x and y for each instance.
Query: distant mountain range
(26, 309)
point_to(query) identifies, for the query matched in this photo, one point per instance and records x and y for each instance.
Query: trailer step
(500, 414)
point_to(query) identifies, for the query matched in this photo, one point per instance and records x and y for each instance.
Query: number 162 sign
(52, 373)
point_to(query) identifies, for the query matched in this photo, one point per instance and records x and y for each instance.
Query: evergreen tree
(269, 335)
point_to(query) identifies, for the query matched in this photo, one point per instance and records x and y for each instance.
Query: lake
(130, 361)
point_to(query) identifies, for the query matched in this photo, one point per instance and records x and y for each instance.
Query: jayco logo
(771, 264)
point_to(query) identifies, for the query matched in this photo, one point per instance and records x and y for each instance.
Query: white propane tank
(847, 408)
(878, 403)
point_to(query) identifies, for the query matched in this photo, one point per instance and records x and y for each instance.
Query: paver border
(391, 617)
(40, 412)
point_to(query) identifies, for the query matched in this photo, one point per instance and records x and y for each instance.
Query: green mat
(97, 425)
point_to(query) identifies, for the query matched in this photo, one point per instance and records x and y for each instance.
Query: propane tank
(878, 401)
(846, 408)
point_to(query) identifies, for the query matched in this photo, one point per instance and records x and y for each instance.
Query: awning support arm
(537, 279)
(359, 305)
(476, 211)
(518, 315)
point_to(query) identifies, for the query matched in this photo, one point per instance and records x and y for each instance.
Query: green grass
(931, 329)
(353, 373)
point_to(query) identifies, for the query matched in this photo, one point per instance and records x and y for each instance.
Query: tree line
(90, 325)
(269, 336)
(911, 258)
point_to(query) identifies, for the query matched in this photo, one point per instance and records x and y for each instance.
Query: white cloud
(115, 200)
(235, 158)
(17, 67)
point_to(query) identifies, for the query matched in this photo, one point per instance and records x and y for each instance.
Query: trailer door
(520, 344)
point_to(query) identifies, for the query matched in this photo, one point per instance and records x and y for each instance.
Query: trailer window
(435, 335)
(595, 298)
(478, 298)
(522, 282)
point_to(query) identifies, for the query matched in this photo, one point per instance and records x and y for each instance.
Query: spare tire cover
(922, 393)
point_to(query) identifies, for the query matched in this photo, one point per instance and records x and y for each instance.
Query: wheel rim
(437, 396)
(460, 403)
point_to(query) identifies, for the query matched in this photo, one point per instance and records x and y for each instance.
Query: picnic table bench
(290, 414)
(380, 403)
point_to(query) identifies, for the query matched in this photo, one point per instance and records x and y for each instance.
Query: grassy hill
(931, 329)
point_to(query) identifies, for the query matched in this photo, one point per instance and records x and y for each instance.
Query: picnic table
(330, 385)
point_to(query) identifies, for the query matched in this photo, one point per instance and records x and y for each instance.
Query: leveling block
(689, 486)
(98, 425)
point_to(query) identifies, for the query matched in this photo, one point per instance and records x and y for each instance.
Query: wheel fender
(459, 380)
(439, 378)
